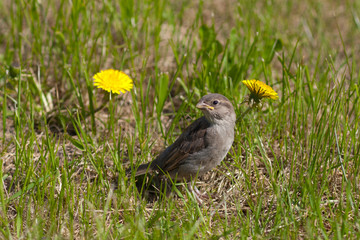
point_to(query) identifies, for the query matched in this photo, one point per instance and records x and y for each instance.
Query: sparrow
(200, 148)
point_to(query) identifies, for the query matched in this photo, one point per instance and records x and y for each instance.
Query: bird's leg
(193, 192)
(199, 196)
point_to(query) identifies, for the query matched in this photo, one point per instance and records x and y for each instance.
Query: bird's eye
(215, 102)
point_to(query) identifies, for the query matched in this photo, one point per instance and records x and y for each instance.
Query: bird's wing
(190, 141)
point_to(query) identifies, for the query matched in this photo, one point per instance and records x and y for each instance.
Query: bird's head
(217, 108)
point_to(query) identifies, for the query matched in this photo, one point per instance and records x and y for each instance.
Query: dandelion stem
(244, 113)
(111, 112)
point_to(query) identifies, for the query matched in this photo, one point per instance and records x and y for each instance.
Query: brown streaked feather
(190, 141)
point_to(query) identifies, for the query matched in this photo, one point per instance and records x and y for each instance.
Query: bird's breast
(220, 142)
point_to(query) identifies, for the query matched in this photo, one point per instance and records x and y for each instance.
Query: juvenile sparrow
(200, 148)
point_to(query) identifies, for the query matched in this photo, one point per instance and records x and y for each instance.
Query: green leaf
(77, 143)
(162, 92)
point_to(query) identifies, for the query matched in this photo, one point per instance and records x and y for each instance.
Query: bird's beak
(202, 105)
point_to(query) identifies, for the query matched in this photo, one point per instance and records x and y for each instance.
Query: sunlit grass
(293, 170)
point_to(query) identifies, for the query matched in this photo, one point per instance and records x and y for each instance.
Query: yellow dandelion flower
(259, 90)
(113, 81)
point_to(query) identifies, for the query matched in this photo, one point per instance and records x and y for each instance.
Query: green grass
(292, 173)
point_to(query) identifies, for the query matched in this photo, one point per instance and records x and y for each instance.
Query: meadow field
(293, 169)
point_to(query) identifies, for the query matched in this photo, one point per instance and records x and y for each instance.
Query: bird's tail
(141, 170)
